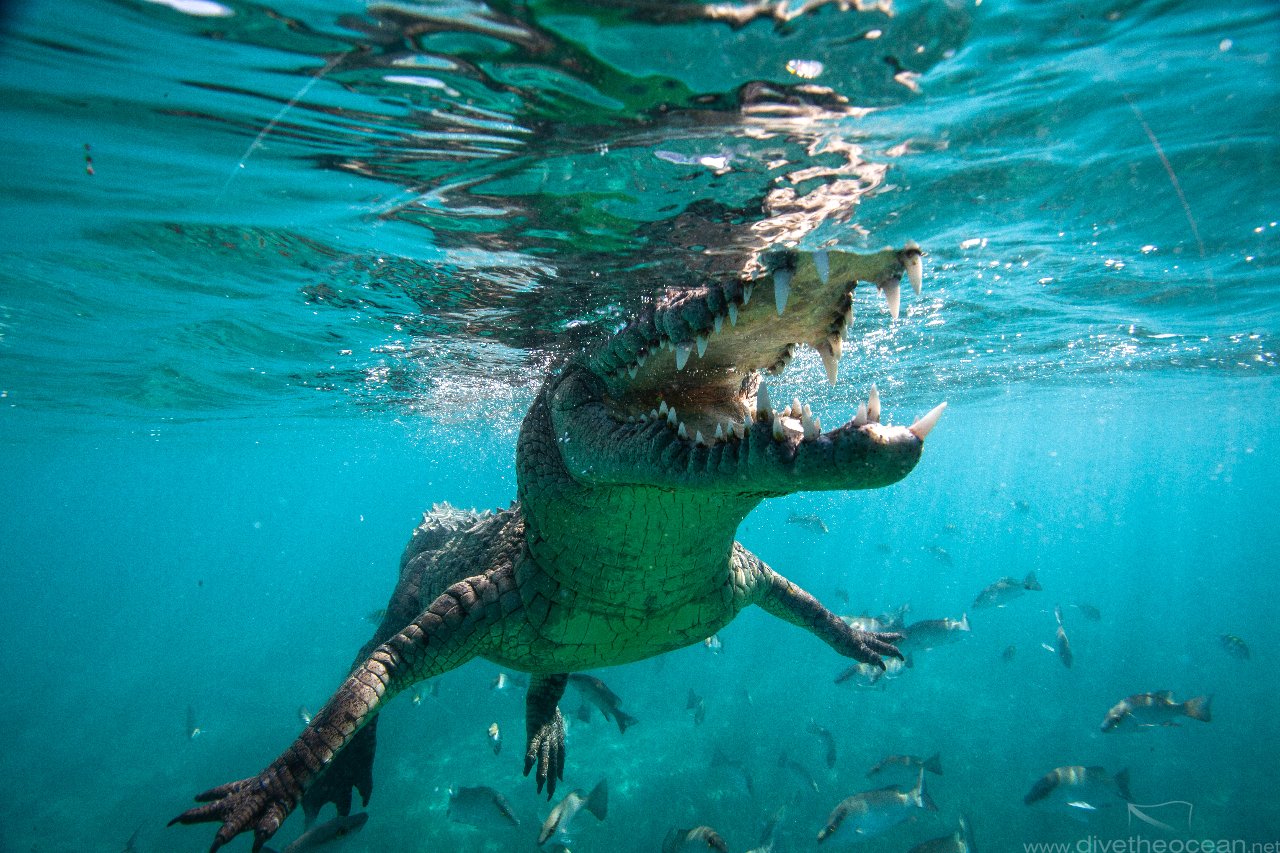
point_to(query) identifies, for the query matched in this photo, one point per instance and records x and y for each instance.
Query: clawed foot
(260, 803)
(871, 647)
(546, 749)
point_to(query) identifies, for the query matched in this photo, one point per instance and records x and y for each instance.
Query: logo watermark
(1139, 844)
(1142, 813)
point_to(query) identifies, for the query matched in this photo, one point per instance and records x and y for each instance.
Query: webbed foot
(259, 803)
(351, 768)
(546, 749)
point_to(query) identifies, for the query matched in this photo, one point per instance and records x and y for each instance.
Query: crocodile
(636, 463)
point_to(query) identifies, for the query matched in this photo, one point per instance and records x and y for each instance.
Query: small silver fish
(800, 770)
(480, 806)
(1009, 653)
(866, 675)
(812, 522)
(872, 812)
(1063, 644)
(713, 644)
(304, 715)
(1145, 710)
(495, 738)
(1234, 646)
(689, 840)
(931, 633)
(933, 764)
(1083, 786)
(1005, 590)
(828, 741)
(596, 692)
(557, 823)
(330, 830)
(193, 728)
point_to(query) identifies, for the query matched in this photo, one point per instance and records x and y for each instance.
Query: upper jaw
(695, 362)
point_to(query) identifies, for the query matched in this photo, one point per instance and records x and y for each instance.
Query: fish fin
(934, 763)
(624, 720)
(598, 800)
(922, 795)
(1030, 582)
(964, 621)
(1164, 694)
(1122, 783)
(1198, 708)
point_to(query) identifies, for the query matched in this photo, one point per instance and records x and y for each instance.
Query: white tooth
(785, 413)
(763, 404)
(682, 354)
(641, 357)
(837, 345)
(719, 432)
(778, 431)
(830, 360)
(672, 420)
(747, 421)
(810, 427)
(808, 412)
(662, 408)
(823, 263)
(632, 370)
(702, 345)
(653, 413)
(681, 431)
(733, 313)
(873, 405)
(746, 294)
(914, 268)
(740, 429)
(781, 289)
(796, 408)
(699, 439)
(848, 315)
(817, 424)
(718, 323)
(925, 425)
(860, 419)
(893, 296)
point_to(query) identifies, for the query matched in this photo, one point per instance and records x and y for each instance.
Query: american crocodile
(636, 463)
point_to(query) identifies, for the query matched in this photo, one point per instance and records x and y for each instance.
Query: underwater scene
(752, 425)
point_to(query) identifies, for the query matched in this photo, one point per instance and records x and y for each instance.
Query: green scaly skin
(621, 544)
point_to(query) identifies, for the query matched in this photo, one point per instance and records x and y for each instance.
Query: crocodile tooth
(823, 265)
(632, 370)
(719, 432)
(702, 345)
(662, 408)
(653, 413)
(786, 412)
(740, 430)
(681, 431)
(763, 404)
(746, 293)
(682, 354)
(672, 420)
(922, 427)
(698, 438)
(873, 404)
(747, 421)
(796, 408)
(718, 323)
(808, 412)
(860, 419)
(810, 426)
(781, 289)
(892, 296)
(733, 314)
(848, 314)
(641, 356)
(830, 360)
(778, 431)
(817, 424)
(913, 266)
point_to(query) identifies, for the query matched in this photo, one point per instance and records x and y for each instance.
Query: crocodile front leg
(544, 729)
(445, 635)
(756, 583)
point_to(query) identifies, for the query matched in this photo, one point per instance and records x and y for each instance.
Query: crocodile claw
(546, 749)
(871, 647)
(260, 803)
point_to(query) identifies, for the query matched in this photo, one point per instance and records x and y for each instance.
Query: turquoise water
(276, 279)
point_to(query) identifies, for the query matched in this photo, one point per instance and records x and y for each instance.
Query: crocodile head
(676, 400)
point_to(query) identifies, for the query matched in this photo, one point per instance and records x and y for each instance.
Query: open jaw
(688, 374)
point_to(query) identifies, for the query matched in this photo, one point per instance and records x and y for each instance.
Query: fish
(842, 594)
(872, 812)
(193, 728)
(1080, 787)
(933, 764)
(960, 841)
(943, 555)
(1234, 646)
(1144, 710)
(1005, 590)
(719, 759)
(480, 806)
(689, 840)
(866, 675)
(1062, 643)
(1088, 611)
(422, 689)
(713, 644)
(500, 682)
(131, 846)
(304, 715)
(1009, 653)
(596, 692)
(330, 830)
(557, 823)
(891, 620)
(495, 738)
(931, 633)
(828, 741)
(799, 769)
(694, 703)
(812, 523)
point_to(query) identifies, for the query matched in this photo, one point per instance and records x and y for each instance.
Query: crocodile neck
(620, 546)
